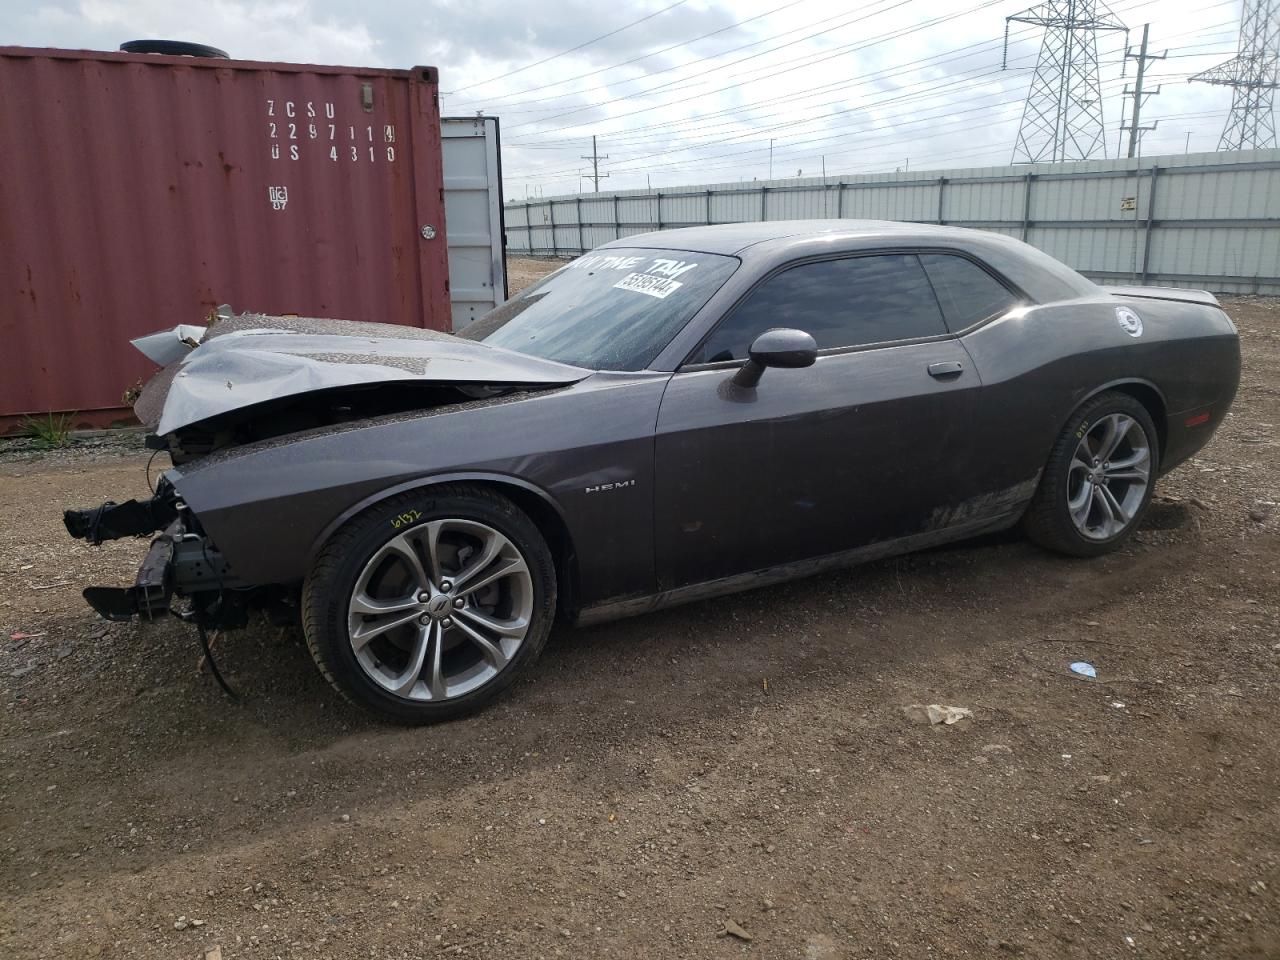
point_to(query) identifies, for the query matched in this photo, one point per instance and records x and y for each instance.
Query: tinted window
(967, 292)
(612, 310)
(841, 303)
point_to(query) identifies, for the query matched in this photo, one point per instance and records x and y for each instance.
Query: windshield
(613, 310)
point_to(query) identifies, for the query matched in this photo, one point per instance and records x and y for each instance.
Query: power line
(682, 81)
(635, 135)
(556, 56)
(949, 111)
(683, 43)
(811, 120)
(891, 131)
(704, 128)
(846, 83)
(771, 70)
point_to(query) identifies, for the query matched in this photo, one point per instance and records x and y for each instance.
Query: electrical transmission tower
(1254, 75)
(1062, 118)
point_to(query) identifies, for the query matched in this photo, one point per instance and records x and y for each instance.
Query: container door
(473, 210)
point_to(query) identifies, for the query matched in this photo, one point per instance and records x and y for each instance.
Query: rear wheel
(425, 607)
(1099, 478)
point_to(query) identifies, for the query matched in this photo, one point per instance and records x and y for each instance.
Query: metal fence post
(1151, 215)
(658, 217)
(763, 211)
(1026, 207)
(840, 200)
(582, 246)
(617, 221)
(551, 212)
(942, 183)
(528, 227)
(708, 208)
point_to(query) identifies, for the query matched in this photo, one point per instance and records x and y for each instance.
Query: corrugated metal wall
(1214, 221)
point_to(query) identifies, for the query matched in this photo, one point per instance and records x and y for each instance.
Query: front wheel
(1099, 478)
(426, 606)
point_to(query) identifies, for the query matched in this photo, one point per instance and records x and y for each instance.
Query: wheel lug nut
(424, 619)
(424, 597)
(458, 602)
(446, 586)
(446, 623)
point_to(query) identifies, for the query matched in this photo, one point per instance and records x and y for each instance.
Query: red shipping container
(140, 191)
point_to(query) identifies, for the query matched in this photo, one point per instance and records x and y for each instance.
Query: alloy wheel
(1108, 476)
(440, 609)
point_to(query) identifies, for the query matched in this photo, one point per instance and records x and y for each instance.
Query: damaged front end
(253, 379)
(181, 563)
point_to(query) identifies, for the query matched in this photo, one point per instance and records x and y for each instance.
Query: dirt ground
(742, 761)
(522, 271)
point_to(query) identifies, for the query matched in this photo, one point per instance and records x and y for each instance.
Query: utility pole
(1139, 96)
(595, 159)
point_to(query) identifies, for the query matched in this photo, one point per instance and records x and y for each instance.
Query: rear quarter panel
(1040, 363)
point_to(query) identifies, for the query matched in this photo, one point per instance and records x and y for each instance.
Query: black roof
(775, 242)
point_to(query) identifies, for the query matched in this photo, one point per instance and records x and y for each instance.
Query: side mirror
(779, 347)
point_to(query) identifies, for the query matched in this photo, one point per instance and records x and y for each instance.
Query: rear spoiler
(1165, 293)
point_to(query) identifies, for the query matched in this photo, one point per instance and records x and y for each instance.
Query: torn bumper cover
(181, 560)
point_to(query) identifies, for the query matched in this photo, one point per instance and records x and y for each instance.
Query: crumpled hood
(242, 361)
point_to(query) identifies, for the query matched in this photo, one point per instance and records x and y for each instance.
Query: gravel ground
(743, 763)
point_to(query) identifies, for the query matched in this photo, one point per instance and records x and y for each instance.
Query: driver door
(864, 446)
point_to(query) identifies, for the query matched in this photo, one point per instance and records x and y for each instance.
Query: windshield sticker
(670, 268)
(662, 266)
(599, 262)
(648, 284)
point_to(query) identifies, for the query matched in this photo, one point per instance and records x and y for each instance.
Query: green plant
(49, 431)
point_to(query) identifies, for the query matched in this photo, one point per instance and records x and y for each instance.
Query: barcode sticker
(649, 285)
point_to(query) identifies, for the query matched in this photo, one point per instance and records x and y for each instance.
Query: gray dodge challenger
(670, 417)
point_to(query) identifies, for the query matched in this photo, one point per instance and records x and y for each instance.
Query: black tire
(333, 577)
(175, 48)
(1048, 520)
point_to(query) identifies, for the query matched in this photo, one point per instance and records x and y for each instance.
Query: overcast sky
(859, 87)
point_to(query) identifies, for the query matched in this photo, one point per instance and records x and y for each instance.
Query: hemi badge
(1198, 419)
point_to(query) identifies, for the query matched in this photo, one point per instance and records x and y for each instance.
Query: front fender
(422, 483)
(269, 506)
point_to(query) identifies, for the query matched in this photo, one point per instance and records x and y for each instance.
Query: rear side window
(840, 303)
(967, 292)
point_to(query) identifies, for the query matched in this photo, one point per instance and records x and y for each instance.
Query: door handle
(946, 369)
